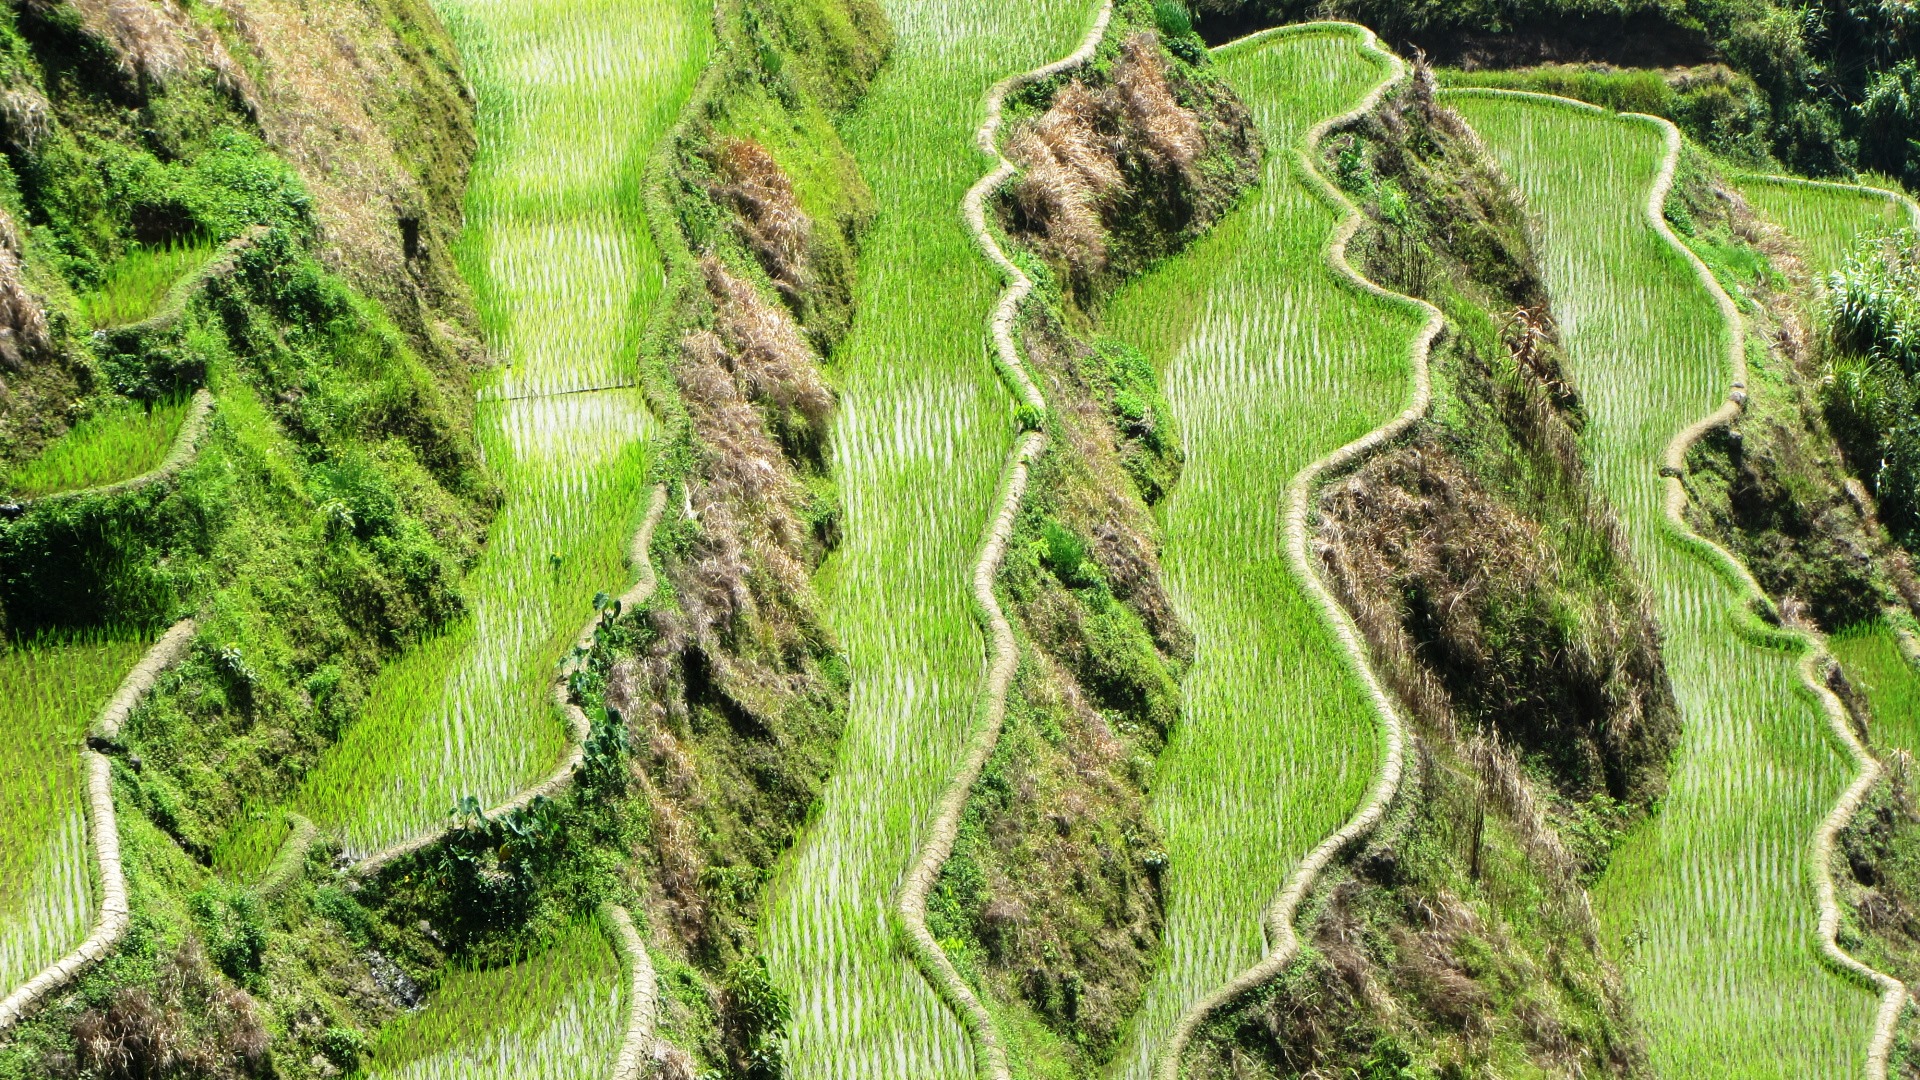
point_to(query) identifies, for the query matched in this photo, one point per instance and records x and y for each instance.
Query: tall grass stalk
(1270, 362)
(1710, 905)
(50, 691)
(923, 432)
(572, 96)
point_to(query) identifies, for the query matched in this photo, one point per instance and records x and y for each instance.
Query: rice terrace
(959, 539)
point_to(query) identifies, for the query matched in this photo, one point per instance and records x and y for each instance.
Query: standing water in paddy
(572, 95)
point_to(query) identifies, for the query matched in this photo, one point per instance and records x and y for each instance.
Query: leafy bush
(1873, 313)
(234, 928)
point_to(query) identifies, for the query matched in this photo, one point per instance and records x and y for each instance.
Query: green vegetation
(1870, 654)
(1269, 361)
(1717, 107)
(1836, 79)
(122, 440)
(1710, 896)
(1049, 903)
(54, 688)
(134, 286)
(555, 1016)
(922, 433)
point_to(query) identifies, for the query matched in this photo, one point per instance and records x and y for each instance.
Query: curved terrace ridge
(1814, 658)
(1285, 943)
(931, 958)
(578, 728)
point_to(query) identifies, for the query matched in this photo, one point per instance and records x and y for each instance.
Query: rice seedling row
(1711, 904)
(1270, 362)
(922, 436)
(572, 95)
(555, 1016)
(50, 691)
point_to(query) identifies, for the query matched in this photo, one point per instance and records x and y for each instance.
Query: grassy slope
(922, 434)
(557, 247)
(1714, 895)
(1269, 363)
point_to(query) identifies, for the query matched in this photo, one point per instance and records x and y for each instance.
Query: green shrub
(234, 928)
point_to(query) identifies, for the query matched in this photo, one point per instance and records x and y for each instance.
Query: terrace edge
(1300, 493)
(934, 963)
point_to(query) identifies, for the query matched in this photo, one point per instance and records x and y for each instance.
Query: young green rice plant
(134, 287)
(1709, 905)
(924, 430)
(572, 95)
(118, 442)
(50, 692)
(1270, 361)
(558, 1015)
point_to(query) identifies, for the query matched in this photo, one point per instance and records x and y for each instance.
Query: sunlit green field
(1270, 363)
(1710, 905)
(1872, 659)
(50, 693)
(114, 444)
(557, 1016)
(573, 96)
(923, 432)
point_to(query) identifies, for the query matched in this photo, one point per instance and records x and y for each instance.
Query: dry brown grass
(24, 338)
(1170, 133)
(159, 41)
(189, 1023)
(767, 214)
(378, 129)
(1077, 156)
(1071, 169)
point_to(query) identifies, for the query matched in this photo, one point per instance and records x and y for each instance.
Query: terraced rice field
(923, 432)
(1710, 904)
(1871, 656)
(573, 97)
(1827, 220)
(53, 692)
(115, 444)
(1270, 362)
(558, 1016)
